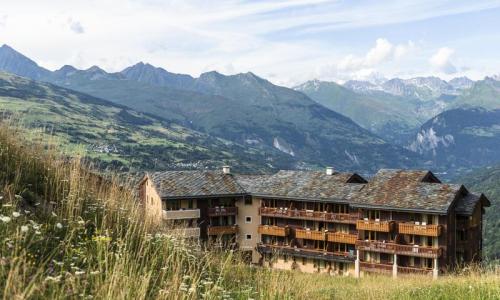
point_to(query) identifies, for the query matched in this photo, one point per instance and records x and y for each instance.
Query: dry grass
(66, 233)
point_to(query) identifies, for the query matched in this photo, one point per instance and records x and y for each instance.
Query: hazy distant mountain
(147, 73)
(423, 88)
(484, 93)
(245, 109)
(16, 63)
(392, 117)
(460, 138)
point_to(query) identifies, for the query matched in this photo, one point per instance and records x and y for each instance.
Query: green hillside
(117, 136)
(392, 117)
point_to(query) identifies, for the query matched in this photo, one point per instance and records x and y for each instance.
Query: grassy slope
(132, 139)
(93, 243)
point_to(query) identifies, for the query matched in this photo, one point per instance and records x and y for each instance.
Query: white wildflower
(27, 212)
(38, 232)
(78, 273)
(5, 219)
(81, 222)
(59, 225)
(24, 228)
(94, 272)
(54, 214)
(16, 214)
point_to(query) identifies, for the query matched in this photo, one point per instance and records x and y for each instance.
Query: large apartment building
(397, 222)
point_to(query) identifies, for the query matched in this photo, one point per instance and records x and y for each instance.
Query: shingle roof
(301, 185)
(402, 189)
(390, 189)
(195, 183)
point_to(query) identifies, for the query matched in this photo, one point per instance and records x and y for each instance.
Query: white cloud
(441, 60)
(383, 51)
(3, 20)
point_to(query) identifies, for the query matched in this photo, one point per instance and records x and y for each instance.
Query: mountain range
(242, 108)
(118, 137)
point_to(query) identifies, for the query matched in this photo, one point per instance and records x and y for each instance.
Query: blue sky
(287, 42)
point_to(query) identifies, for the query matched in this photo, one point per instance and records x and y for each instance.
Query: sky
(286, 42)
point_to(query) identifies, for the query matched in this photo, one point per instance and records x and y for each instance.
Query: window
(248, 201)
(248, 237)
(190, 203)
(248, 219)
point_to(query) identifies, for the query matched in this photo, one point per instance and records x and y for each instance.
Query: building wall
(151, 201)
(249, 228)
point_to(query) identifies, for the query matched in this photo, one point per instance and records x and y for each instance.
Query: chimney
(329, 170)
(226, 170)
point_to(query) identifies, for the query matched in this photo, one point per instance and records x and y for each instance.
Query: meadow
(67, 233)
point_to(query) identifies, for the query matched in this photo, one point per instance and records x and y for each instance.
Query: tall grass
(67, 233)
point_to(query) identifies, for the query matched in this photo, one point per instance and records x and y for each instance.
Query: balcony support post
(395, 266)
(435, 270)
(356, 265)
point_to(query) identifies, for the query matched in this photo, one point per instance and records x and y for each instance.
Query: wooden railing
(375, 267)
(274, 230)
(188, 232)
(427, 230)
(181, 214)
(308, 215)
(222, 211)
(220, 230)
(393, 248)
(341, 237)
(414, 270)
(310, 234)
(372, 225)
(308, 252)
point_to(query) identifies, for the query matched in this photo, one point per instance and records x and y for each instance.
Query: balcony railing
(427, 230)
(181, 214)
(188, 232)
(306, 252)
(310, 234)
(221, 230)
(375, 267)
(373, 225)
(414, 270)
(273, 230)
(341, 237)
(308, 215)
(222, 211)
(393, 248)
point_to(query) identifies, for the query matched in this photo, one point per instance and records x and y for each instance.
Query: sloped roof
(171, 184)
(411, 190)
(302, 185)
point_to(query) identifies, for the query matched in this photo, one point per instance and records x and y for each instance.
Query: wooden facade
(330, 236)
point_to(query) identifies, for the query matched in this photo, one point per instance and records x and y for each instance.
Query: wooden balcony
(221, 230)
(188, 232)
(274, 230)
(375, 267)
(310, 234)
(414, 270)
(427, 230)
(393, 248)
(341, 237)
(303, 214)
(306, 252)
(222, 211)
(181, 214)
(372, 225)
